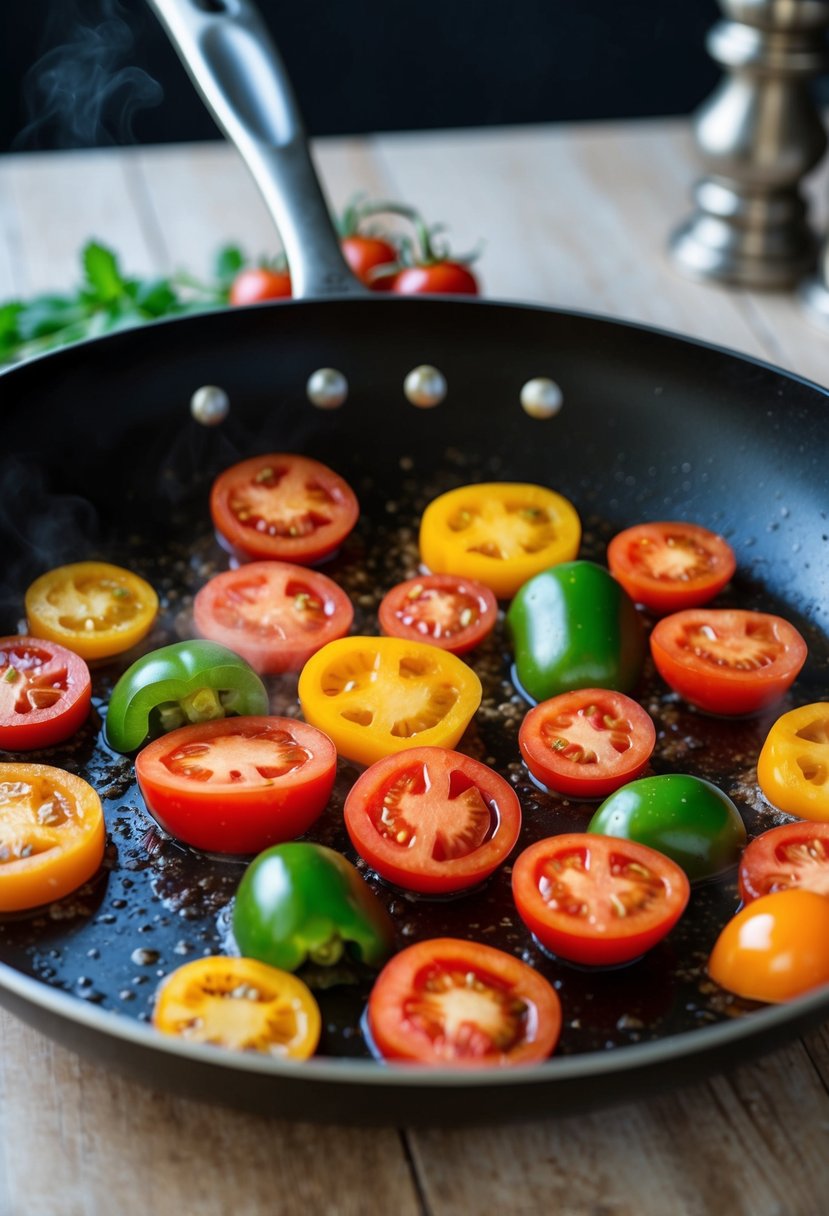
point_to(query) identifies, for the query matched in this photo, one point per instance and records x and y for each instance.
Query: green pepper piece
(688, 819)
(176, 685)
(302, 901)
(574, 626)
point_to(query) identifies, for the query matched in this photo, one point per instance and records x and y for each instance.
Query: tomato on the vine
(45, 693)
(283, 506)
(792, 855)
(240, 1004)
(668, 566)
(432, 820)
(588, 742)
(274, 614)
(774, 949)
(596, 899)
(444, 609)
(237, 785)
(259, 283)
(436, 278)
(463, 1004)
(727, 660)
(366, 254)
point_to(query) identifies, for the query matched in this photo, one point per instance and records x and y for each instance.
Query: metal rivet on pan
(327, 388)
(425, 386)
(541, 398)
(209, 405)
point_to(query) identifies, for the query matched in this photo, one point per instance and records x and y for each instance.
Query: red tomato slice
(727, 661)
(432, 820)
(793, 855)
(275, 615)
(453, 613)
(45, 693)
(670, 566)
(460, 1003)
(238, 785)
(598, 899)
(587, 743)
(283, 506)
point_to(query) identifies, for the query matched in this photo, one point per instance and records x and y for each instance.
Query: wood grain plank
(752, 1144)
(63, 199)
(77, 1140)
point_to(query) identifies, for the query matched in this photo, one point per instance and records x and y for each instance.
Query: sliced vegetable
(51, 835)
(595, 900)
(671, 565)
(587, 743)
(239, 784)
(273, 614)
(500, 533)
(93, 608)
(303, 902)
(775, 949)
(443, 609)
(688, 819)
(727, 660)
(284, 507)
(45, 693)
(185, 683)
(793, 768)
(575, 627)
(239, 1004)
(432, 820)
(793, 855)
(377, 696)
(463, 1004)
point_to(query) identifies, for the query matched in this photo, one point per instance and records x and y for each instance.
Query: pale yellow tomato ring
(93, 608)
(793, 767)
(501, 533)
(240, 1004)
(375, 696)
(51, 835)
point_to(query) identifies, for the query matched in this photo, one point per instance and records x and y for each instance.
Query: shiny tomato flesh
(669, 566)
(596, 899)
(792, 855)
(237, 785)
(727, 661)
(442, 609)
(92, 608)
(274, 614)
(587, 743)
(462, 1004)
(284, 507)
(432, 820)
(45, 693)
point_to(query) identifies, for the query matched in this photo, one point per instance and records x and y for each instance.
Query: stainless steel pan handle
(228, 52)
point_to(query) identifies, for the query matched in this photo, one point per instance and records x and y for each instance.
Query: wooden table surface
(573, 216)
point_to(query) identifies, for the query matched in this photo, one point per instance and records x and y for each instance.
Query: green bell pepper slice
(573, 626)
(688, 819)
(301, 902)
(174, 686)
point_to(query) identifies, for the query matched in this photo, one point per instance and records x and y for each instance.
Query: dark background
(76, 73)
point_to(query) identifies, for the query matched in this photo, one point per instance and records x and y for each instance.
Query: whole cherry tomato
(436, 278)
(258, 283)
(365, 254)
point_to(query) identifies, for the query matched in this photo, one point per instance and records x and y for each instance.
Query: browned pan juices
(158, 904)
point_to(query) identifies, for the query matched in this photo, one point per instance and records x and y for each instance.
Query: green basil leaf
(103, 274)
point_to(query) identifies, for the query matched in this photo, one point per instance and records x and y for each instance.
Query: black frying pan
(103, 458)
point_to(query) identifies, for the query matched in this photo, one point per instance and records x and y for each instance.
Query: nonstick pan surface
(651, 426)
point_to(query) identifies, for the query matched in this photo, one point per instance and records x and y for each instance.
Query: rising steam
(85, 91)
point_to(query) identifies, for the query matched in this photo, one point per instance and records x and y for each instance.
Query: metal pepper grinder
(760, 133)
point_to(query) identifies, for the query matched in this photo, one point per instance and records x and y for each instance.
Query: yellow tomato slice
(376, 696)
(793, 768)
(501, 533)
(240, 1004)
(51, 834)
(92, 608)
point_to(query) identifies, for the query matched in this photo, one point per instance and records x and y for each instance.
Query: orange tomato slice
(93, 608)
(51, 834)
